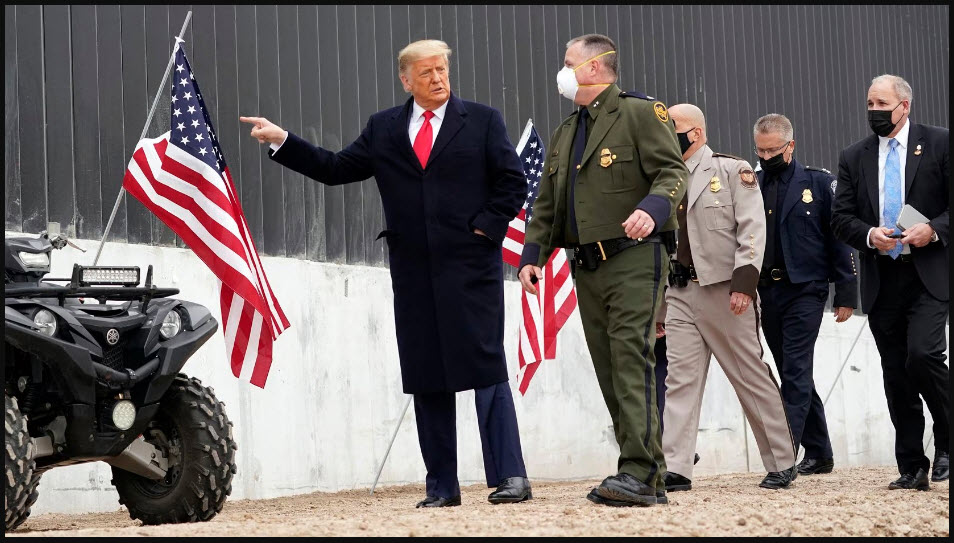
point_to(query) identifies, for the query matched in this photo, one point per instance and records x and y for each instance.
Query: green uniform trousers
(618, 303)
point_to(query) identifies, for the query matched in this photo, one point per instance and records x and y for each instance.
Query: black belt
(589, 256)
(774, 275)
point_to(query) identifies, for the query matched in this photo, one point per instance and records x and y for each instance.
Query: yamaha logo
(112, 337)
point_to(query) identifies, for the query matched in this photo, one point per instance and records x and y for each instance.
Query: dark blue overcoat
(447, 280)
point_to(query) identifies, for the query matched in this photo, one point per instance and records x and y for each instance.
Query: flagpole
(145, 129)
(393, 437)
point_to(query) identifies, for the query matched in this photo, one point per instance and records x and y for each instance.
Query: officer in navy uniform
(802, 257)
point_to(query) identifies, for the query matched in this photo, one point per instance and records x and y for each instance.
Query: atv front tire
(21, 480)
(195, 435)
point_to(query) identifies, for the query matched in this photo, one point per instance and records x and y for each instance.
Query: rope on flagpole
(145, 130)
(393, 437)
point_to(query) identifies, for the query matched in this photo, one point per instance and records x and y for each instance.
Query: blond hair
(422, 49)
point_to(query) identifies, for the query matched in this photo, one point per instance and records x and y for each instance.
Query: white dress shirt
(413, 127)
(417, 121)
(883, 149)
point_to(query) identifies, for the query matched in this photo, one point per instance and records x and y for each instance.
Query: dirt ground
(847, 502)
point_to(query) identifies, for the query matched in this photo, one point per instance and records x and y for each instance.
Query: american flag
(545, 314)
(181, 176)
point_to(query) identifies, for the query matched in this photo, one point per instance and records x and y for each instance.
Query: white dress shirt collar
(418, 111)
(902, 138)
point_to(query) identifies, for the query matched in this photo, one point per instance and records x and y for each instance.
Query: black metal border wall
(79, 81)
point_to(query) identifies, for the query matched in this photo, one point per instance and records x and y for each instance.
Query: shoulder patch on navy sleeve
(636, 94)
(834, 185)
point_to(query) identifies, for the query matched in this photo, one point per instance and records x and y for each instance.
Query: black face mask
(684, 143)
(774, 165)
(880, 121)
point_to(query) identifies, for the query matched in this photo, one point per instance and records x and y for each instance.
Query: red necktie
(424, 139)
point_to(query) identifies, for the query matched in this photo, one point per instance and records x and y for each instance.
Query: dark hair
(595, 44)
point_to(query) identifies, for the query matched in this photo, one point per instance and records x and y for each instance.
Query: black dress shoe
(812, 466)
(908, 481)
(511, 490)
(942, 467)
(675, 482)
(595, 497)
(623, 487)
(434, 501)
(779, 479)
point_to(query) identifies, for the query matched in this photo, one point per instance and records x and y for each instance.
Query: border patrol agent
(711, 311)
(801, 257)
(611, 181)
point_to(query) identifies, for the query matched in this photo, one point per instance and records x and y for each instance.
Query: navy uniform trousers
(791, 316)
(436, 416)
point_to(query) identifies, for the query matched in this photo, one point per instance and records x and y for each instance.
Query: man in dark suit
(802, 257)
(450, 182)
(904, 280)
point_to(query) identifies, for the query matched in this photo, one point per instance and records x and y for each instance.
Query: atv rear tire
(21, 479)
(192, 430)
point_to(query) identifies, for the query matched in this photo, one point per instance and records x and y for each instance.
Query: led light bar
(101, 275)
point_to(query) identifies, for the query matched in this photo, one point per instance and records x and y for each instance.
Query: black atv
(91, 373)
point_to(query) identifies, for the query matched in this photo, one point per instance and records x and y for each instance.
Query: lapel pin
(917, 151)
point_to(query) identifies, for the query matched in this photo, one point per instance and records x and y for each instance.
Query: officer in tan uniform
(712, 310)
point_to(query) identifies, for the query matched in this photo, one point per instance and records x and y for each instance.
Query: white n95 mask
(566, 79)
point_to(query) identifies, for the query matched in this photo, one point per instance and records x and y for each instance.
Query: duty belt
(590, 255)
(679, 275)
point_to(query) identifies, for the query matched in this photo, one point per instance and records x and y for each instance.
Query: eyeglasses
(771, 152)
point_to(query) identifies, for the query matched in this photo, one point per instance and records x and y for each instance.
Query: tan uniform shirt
(724, 220)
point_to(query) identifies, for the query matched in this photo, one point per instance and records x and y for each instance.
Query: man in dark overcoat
(450, 182)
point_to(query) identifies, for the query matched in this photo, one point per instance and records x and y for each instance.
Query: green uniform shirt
(631, 161)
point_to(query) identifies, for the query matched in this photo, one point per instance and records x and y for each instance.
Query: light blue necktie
(892, 192)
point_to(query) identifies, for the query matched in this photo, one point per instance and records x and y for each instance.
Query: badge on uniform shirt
(807, 196)
(606, 158)
(661, 112)
(714, 184)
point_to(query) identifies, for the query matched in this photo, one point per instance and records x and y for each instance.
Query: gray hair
(595, 44)
(901, 87)
(774, 123)
(422, 49)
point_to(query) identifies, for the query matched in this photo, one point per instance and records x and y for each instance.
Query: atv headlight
(46, 322)
(171, 325)
(35, 260)
(124, 414)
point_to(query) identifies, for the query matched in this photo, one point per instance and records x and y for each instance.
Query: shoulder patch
(661, 112)
(749, 180)
(636, 94)
(834, 185)
(723, 155)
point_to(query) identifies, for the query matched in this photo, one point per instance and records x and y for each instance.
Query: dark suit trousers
(437, 432)
(662, 369)
(908, 327)
(791, 317)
